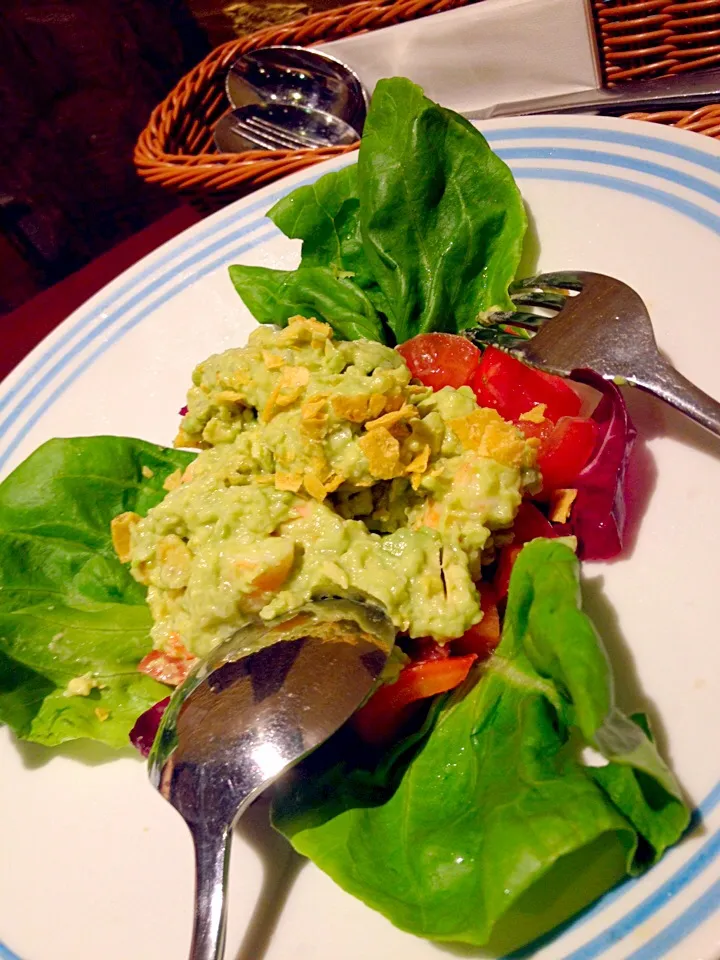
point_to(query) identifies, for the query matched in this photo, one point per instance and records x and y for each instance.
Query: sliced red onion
(183, 410)
(146, 726)
(598, 515)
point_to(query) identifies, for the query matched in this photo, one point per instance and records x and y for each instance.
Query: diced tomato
(564, 453)
(169, 666)
(535, 431)
(440, 359)
(530, 523)
(483, 637)
(506, 561)
(513, 388)
(382, 717)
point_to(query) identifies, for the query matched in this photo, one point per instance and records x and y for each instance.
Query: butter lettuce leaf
(490, 828)
(427, 229)
(68, 607)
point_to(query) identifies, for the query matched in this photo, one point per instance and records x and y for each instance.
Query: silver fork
(590, 321)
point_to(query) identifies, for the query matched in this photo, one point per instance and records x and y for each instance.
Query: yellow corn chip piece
(146, 471)
(120, 529)
(229, 396)
(406, 412)
(272, 361)
(173, 481)
(305, 330)
(503, 443)
(561, 502)
(314, 486)
(101, 713)
(383, 453)
(290, 385)
(288, 481)
(333, 482)
(419, 463)
(536, 415)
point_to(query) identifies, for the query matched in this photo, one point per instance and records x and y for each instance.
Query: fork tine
(239, 126)
(561, 280)
(538, 297)
(293, 139)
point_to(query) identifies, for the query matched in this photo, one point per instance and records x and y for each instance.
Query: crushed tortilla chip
(383, 453)
(314, 406)
(314, 486)
(358, 409)
(333, 482)
(305, 330)
(173, 481)
(290, 385)
(120, 529)
(485, 432)
(146, 471)
(561, 502)
(230, 397)
(406, 412)
(419, 464)
(288, 481)
(272, 361)
(101, 713)
(536, 415)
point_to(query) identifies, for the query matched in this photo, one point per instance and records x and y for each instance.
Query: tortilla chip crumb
(536, 415)
(382, 451)
(485, 432)
(102, 714)
(230, 397)
(419, 464)
(290, 385)
(146, 471)
(120, 530)
(359, 409)
(173, 481)
(272, 361)
(561, 502)
(305, 330)
(333, 482)
(314, 486)
(406, 412)
(288, 481)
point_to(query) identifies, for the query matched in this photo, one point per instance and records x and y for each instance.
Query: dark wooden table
(25, 327)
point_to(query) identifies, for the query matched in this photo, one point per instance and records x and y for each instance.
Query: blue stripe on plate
(681, 927)
(611, 159)
(641, 141)
(684, 924)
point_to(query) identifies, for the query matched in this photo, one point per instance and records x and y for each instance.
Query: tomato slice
(171, 665)
(530, 523)
(382, 717)
(483, 637)
(513, 388)
(428, 649)
(564, 453)
(506, 562)
(440, 359)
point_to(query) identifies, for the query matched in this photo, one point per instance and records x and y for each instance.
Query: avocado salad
(370, 440)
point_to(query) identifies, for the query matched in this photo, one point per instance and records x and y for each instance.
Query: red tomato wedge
(506, 561)
(513, 388)
(381, 718)
(483, 637)
(530, 523)
(564, 453)
(440, 359)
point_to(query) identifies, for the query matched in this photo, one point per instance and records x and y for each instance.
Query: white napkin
(486, 53)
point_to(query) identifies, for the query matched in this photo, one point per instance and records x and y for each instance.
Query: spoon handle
(212, 855)
(662, 379)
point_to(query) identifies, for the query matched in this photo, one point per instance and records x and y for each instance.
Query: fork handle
(662, 379)
(212, 856)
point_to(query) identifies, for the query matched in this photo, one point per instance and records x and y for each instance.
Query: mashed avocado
(324, 470)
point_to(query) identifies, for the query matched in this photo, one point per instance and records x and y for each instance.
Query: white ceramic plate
(95, 864)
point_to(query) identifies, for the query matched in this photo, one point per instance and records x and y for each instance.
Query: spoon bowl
(299, 77)
(256, 706)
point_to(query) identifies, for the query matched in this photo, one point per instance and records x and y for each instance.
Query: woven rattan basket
(176, 149)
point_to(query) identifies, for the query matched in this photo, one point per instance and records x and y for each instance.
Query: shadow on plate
(89, 752)
(281, 866)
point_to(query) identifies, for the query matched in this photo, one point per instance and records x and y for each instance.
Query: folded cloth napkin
(489, 52)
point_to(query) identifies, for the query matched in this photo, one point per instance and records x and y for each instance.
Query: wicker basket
(176, 149)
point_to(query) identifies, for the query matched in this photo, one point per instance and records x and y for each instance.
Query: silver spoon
(301, 77)
(246, 715)
(596, 323)
(260, 126)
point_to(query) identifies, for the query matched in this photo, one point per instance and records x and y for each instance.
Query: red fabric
(25, 327)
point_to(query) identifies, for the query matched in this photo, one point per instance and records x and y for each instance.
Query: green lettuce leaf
(441, 216)
(490, 828)
(426, 230)
(68, 607)
(273, 296)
